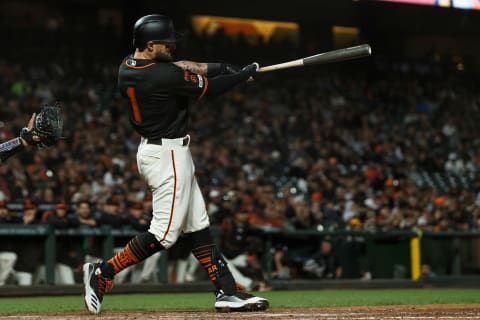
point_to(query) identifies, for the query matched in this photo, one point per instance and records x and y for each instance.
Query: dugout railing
(387, 254)
(392, 254)
(48, 236)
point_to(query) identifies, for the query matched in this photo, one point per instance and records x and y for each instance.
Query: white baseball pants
(178, 204)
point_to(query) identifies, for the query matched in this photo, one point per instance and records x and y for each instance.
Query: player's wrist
(27, 137)
(213, 69)
(24, 143)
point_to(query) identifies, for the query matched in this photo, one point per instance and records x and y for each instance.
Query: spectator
(324, 263)
(300, 217)
(147, 271)
(5, 216)
(241, 248)
(84, 215)
(8, 257)
(217, 208)
(136, 218)
(67, 253)
(110, 214)
(29, 253)
(92, 246)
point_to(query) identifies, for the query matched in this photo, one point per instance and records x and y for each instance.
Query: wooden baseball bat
(360, 51)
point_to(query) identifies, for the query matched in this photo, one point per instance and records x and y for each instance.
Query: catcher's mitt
(48, 126)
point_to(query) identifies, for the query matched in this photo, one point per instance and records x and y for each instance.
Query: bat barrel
(360, 51)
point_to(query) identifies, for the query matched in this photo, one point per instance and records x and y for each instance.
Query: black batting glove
(251, 70)
(228, 68)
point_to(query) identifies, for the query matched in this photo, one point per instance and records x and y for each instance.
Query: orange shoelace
(241, 288)
(104, 284)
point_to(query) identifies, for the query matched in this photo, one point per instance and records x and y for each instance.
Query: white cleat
(239, 301)
(95, 286)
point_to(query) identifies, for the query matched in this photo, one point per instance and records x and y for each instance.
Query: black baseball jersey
(158, 93)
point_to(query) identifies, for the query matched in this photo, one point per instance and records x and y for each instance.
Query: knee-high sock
(138, 249)
(212, 261)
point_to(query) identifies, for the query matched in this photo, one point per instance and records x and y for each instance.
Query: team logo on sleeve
(195, 78)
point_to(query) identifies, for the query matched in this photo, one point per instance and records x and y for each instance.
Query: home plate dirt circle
(403, 312)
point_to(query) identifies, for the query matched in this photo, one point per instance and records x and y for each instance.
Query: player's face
(61, 212)
(164, 51)
(83, 210)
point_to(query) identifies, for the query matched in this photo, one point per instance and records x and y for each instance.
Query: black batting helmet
(154, 27)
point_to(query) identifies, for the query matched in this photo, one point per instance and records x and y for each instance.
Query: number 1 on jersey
(134, 104)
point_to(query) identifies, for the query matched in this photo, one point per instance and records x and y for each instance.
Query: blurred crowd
(325, 148)
(297, 150)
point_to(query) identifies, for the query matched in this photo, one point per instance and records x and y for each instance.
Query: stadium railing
(451, 252)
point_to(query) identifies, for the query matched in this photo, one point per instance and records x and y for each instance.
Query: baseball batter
(158, 91)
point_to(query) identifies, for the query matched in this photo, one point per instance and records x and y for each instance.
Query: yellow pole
(415, 257)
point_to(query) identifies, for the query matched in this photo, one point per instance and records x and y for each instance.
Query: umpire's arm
(10, 147)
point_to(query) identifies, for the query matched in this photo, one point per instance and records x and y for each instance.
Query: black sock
(138, 249)
(212, 261)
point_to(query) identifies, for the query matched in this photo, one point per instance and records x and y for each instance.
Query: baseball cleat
(238, 302)
(95, 286)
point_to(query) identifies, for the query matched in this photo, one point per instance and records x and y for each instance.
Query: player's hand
(251, 70)
(26, 135)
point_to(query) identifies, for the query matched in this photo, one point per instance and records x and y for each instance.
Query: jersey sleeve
(186, 83)
(9, 148)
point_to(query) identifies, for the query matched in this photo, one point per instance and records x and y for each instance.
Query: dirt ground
(410, 312)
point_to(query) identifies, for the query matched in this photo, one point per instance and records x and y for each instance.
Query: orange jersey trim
(139, 67)
(205, 86)
(174, 194)
(134, 103)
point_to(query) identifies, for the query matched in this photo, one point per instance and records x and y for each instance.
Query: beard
(163, 56)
